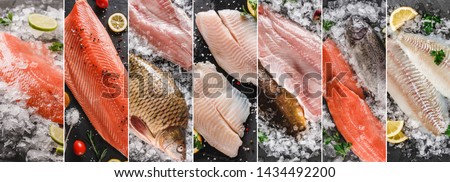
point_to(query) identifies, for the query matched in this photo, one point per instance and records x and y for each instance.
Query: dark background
(202, 54)
(120, 41)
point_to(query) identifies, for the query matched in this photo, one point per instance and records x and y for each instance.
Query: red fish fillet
(334, 65)
(96, 76)
(292, 55)
(356, 123)
(30, 66)
(166, 27)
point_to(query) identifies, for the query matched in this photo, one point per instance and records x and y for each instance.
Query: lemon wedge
(400, 16)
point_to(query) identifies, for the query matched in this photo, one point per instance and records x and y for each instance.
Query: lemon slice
(400, 16)
(56, 133)
(399, 138)
(114, 160)
(59, 149)
(394, 127)
(197, 141)
(117, 22)
(42, 22)
(250, 8)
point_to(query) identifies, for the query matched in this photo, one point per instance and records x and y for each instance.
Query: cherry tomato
(102, 3)
(79, 148)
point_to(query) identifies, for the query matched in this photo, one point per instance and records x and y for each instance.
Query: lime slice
(57, 134)
(117, 22)
(42, 22)
(114, 160)
(60, 149)
(394, 127)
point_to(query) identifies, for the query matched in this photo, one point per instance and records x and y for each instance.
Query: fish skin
(413, 92)
(220, 110)
(335, 65)
(370, 56)
(286, 49)
(95, 75)
(418, 49)
(356, 123)
(166, 27)
(286, 103)
(159, 106)
(231, 38)
(39, 79)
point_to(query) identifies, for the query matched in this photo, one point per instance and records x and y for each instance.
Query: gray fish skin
(369, 54)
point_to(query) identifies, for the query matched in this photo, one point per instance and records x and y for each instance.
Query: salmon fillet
(166, 27)
(219, 112)
(291, 54)
(30, 66)
(96, 76)
(231, 38)
(356, 122)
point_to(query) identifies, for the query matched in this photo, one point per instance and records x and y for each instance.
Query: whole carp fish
(159, 113)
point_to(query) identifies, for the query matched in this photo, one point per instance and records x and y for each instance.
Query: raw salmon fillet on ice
(96, 76)
(29, 66)
(166, 27)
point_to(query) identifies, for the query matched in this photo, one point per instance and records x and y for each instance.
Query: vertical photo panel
(96, 79)
(224, 73)
(289, 81)
(31, 81)
(354, 81)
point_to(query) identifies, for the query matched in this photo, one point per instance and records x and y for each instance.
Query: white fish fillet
(418, 49)
(231, 38)
(413, 93)
(219, 110)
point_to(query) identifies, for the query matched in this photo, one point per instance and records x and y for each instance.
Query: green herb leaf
(438, 56)
(10, 16)
(339, 144)
(197, 143)
(103, 155)
(327, 24)
(447, 132)
(56, 46)
(429, 23)
(262, 137)
(6, 21)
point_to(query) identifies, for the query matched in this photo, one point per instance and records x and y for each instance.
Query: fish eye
(180, 148)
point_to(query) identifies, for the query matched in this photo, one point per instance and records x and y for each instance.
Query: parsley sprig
(340, 146)
(327, 24)
(438, 56)
(7, 20)
(56, 46)
(429, 23)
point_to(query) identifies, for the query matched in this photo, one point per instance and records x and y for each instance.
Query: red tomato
(79, 148)
(102, 3)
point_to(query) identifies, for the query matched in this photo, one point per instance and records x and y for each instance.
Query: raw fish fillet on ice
(412, 91)
(166, 27)
(219, 112)
(292, 55)
(96, 76)
(231, 38)
(29, 66)
(418, 48)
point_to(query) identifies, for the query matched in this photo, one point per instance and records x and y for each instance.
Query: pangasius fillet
(220, 110)
(286, 104)
(166, 27)
(231, 38)
(369, 55)
(291, 54)
(29, 66)
(335, 65)
(158, 111)
(96, 76)
(355, 122)
(412, 91)
(419, 48)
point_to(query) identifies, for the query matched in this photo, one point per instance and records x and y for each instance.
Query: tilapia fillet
(231, 38)
(412, 91)
(166, 27)
(159, 114)
(291, 54)
(418, 48)
(96, 76)
(356, 123)
(219, 112)
(29, 66)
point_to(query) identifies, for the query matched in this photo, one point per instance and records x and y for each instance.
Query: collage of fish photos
(224, 81)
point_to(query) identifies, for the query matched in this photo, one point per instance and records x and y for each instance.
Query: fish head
(173, 141)
(356, 28)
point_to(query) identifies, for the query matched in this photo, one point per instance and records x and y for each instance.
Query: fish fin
(235, 118)
(142, 131)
